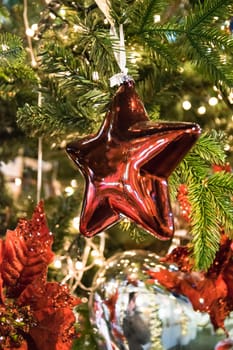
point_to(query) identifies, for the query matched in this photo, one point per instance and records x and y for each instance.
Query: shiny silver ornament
(129, 311)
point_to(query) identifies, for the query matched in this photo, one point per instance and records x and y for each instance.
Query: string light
(69, 190)
(213, 101)
(30, 32)
(201, 110)
(79, 265)
(95, 76)
(186, 105)
(157, 18)
(62, 12)
(18, 181)
(57, 263)
(75, 222)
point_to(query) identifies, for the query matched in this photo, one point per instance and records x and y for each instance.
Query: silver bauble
(130, 312)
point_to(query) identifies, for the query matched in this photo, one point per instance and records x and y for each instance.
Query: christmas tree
(61, 66)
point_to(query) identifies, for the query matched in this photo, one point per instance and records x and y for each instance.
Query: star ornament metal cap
(126, 166)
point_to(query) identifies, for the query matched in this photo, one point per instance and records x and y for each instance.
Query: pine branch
(53, 121)
(221, 186)
(11, 49)
(208, 150)
(209, 60)
(210, 147)
(204, 13)
(205, 228)
(210, 196)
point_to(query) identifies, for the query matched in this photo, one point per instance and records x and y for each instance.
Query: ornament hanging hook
(119, 46)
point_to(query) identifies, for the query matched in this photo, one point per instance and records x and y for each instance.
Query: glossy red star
(126, 166)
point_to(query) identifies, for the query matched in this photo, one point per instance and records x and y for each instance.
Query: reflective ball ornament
(129, 311)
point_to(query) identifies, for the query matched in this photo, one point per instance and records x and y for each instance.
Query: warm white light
(57, 263)
(52, 15)
(30, 32)
(74, 183)
(186, 105)
(94, 253)
(99, 261)
(157, 18)
(34, 26)
(230, 97)
(62, 12)
(213, 101)
(69, 190)
(201, 110)
(95, 76)
(5, 47)
(18, 181)
(33, 63)
(75, 222)
(79, 265)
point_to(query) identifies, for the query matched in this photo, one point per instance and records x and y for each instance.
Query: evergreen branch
(156, 42)
(208, 150)
(205, 228)
(193, 167)
(52, 121)
(205, 13)
(221, 186)
(209, 61)
(215, 38)
(11, 49)
(210, 147)
(147, 11)
(141, 14)
(222, 181)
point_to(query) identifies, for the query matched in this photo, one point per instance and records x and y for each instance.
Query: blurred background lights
(213, 101)
(157, 18)
(75, 222)
(57, 263)
(99, 261)
(69, 190)
(79, 265)
(18, 181)
(95, 253)
(201, 110)
(30, 32)
(186, 105)
(62, 12)
(74, 183)
(95, 76)
(34, 27)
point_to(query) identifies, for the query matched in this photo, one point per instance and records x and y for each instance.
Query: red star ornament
(126, 166)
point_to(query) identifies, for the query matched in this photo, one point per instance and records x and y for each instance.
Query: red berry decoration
(184, 203)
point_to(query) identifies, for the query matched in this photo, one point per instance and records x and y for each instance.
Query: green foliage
(186, 51)
(210, 195)
(11, 49)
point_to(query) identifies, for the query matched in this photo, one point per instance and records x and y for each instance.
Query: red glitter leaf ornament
(126, 166)
(210, 291)
(51, 305)
(35, 314)
(27, 252)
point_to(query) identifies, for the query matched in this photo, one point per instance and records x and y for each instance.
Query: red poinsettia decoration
(34, 314)
(210, 291)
